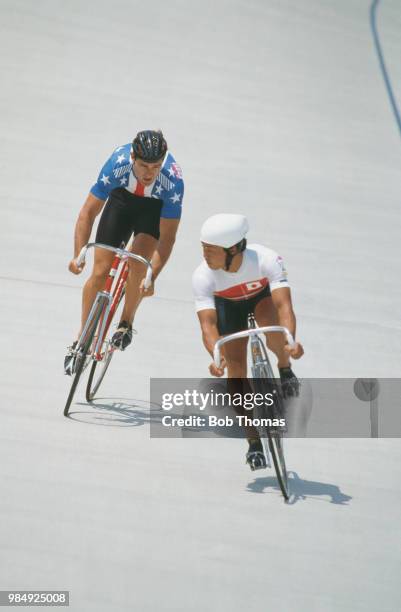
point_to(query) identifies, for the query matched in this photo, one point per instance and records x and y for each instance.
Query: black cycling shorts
(126, 213)
(232, 315)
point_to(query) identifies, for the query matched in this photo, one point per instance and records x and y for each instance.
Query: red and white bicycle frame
(110, 295)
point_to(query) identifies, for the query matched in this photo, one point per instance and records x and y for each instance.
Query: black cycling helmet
(149, 145)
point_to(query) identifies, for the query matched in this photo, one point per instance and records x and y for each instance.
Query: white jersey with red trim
(260, 267)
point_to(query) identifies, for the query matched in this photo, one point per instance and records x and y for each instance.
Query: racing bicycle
(264, 381)
(94, 344)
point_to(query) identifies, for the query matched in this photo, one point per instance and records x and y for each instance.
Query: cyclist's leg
(114, 227)
(96, 281)
(266, 314)
(101, 267)
(235, 354)
(146, 224)
(144, 245)
(232, 317)
(238, 385)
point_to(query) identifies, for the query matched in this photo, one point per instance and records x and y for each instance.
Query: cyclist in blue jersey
(140, 190)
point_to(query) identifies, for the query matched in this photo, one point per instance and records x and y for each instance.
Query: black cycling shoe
(123, 336)
(70, 359)
(289, 382)
(255, 456)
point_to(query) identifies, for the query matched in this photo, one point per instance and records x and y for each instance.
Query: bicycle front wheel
(275, 442)
(98, 371)
(265, 381)
(83, 351)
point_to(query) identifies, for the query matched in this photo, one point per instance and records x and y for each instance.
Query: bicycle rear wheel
(83, 350)
(98, 371)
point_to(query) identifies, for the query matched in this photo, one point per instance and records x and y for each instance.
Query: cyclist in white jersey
(233, 280)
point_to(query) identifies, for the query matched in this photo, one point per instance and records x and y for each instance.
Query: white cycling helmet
(224, 230)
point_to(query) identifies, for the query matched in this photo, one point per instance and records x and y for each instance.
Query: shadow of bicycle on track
(301, 490)
(117, 412)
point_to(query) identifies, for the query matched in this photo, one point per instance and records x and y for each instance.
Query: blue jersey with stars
(118, 172)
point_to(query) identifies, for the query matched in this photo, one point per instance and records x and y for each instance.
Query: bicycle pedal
(255, 468)
(256, 461)
(118, 347)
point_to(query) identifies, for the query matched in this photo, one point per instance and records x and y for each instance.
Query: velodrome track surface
(277, 109)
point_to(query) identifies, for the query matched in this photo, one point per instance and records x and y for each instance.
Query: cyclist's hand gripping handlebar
(246, 334)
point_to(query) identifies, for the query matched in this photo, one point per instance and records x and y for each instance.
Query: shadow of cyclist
(302, 489)
(123, 412)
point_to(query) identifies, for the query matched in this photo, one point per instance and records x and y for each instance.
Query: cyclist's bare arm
(282, 301)
(210, 335)
(86, 218)
(168, 231)
(286, 316)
